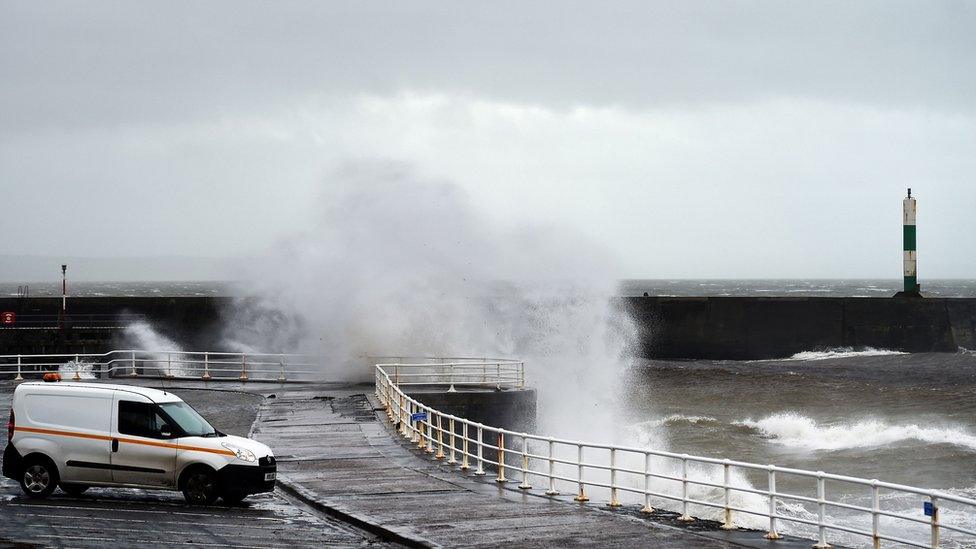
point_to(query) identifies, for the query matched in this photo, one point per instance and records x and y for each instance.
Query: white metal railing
(559, 463)
(204, 365)
(457, 372)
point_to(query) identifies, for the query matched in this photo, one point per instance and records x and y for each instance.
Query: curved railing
(456, 372)
(205, 365)
(560, 463)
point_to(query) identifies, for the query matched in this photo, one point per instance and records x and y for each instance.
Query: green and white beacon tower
(912, 286)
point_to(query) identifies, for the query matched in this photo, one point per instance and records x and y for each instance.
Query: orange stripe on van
(123, 440)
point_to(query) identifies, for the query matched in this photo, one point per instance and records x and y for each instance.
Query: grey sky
(693, 139)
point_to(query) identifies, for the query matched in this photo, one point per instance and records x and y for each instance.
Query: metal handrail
(446, 435)
(205, 365)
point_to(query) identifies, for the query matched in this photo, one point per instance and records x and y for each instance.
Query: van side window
(139, 419)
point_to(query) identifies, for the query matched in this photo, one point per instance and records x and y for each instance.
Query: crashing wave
(798, 431)
(843, 352)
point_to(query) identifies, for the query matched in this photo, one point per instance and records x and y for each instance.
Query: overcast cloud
(694, 139)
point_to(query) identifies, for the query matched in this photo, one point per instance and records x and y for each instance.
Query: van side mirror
(165, 431)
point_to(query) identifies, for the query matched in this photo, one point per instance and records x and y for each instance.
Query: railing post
(243, 376)
(450, 426)
(440, 437)
(481, 459)
(647, 509)
(875, 517)
(581, 493)
(404, 425)
(935, 521)
(685, 517)
(726, 478)
(451, 389)
(396, 374)
(501, 457)
(521, 368)
(77, 376)
(281, 372)
(614, 502)
(821, 512)
(772, 533)
(169, 364)
(414, 425)
(19, 376)
(498, 376)
(525, 466)
(206, 366)
(430, 432)
(552, 474)
(464, 446)
(134, 372)
(421, 431)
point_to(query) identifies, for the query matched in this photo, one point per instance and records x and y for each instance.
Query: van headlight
(242, 454)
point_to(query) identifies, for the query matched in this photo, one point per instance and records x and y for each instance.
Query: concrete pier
(746, 328)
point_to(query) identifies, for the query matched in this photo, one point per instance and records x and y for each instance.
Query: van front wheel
(200, 487)
(38, 477)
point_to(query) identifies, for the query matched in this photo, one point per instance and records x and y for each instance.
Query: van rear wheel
(200, 487)
(38, 477)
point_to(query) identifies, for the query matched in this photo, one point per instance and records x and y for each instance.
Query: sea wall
(741, 328)
(671, 327)
(96, 324)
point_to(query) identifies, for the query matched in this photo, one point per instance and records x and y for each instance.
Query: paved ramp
(333, 449)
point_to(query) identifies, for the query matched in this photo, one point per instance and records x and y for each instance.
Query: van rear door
(78, 422)
(142, 453)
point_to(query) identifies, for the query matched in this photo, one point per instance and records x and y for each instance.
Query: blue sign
(419, 416)
(929, 509)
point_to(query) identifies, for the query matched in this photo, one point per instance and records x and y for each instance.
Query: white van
(76, 435)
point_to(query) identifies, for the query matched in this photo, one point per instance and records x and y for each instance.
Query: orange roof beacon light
(52, 376)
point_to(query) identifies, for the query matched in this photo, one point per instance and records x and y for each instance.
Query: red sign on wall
(7, 317)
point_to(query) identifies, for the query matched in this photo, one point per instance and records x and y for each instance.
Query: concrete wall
(193, 321)
(754, 328)
(672, 327)
(509, 409)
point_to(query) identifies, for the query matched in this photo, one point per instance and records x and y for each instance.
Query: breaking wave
(676, 418)
(798, 431)
(843, 352)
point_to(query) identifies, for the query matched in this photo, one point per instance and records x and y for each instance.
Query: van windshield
(188, 420)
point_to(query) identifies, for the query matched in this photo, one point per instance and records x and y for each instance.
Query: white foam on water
(799, 431)
(843, 352)
(675, 419)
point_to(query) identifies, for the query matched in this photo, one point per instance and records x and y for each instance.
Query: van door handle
(115, 445)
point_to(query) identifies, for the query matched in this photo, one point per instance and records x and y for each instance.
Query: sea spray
(403, 265)
(400, 264)
(142, 336)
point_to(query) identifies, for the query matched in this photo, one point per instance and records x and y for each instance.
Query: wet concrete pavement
(138, 518)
